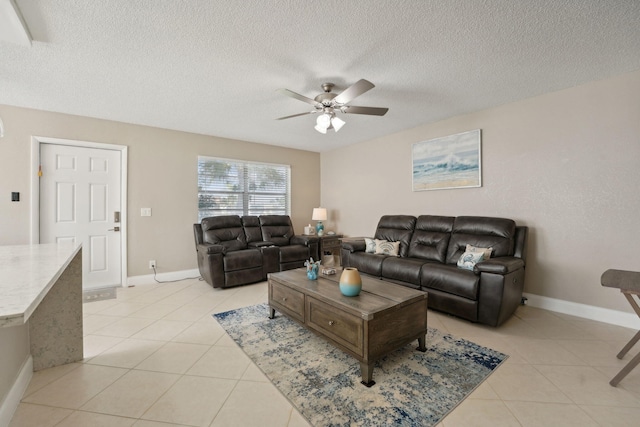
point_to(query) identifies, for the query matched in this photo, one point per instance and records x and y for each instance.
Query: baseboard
(162, 277)
(614, 317)
(12, 400)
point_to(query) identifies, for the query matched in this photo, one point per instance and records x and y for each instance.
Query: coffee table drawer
(342, 328)
(287, 300)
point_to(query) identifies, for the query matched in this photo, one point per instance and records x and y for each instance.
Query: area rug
(323, 383)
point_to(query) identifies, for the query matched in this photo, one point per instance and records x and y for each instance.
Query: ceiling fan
(329, 103)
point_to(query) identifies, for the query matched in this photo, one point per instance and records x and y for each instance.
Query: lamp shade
(323, 120)
(320, 129)
(337, 123)
(319, 214)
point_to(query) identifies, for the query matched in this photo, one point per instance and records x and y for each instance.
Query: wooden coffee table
(383, 318)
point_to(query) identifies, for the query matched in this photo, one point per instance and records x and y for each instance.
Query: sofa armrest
(500, 265)
(354, 245)
(303, 240)
(211, 249)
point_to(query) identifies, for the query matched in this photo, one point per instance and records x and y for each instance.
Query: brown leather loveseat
(234, 250)
(430, 249)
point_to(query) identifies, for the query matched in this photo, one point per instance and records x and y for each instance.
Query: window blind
(236, 187)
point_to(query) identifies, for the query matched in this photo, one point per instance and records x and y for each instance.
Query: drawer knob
(284, 299)
(330, 322)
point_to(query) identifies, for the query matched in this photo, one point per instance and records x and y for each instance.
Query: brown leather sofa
(234, 250)
(429, 250)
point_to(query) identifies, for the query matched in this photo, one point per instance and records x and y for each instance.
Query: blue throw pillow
(469, 259)
(370, 245)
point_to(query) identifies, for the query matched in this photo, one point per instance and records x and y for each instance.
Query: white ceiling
(212, 67)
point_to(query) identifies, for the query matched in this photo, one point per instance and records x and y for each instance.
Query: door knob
(114, 229)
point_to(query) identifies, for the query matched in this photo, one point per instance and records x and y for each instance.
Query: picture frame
(448, 162)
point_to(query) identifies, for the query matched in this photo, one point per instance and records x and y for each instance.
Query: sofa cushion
(224, 230)
(276, 229)
(241, 260)
(396, 228)
(495, 233)
(252, 231)
(449, 279)
(367, 263)
(403, 269)
(431, 237)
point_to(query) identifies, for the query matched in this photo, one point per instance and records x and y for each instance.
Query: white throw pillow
(387, 248)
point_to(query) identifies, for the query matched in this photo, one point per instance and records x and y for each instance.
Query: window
(236, 187)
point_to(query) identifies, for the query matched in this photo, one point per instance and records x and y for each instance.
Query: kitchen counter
(41, 289)
(27, 274)
(40, 315)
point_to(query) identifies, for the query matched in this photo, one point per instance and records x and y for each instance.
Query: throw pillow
(387, 248)
(370, 246)
(469, 259)
(485, 251)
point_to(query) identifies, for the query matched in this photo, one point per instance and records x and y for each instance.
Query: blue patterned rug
(323, 383)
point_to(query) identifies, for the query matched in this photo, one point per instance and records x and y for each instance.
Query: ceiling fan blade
(356, 89)
(287, 92)
(295, 115)
(372, 111)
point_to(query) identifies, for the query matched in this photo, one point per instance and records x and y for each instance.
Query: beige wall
(162, 175)
(566, 164)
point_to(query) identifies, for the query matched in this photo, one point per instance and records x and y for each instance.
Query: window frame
(244, 169)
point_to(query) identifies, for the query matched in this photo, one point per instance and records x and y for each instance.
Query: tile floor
(154, 357)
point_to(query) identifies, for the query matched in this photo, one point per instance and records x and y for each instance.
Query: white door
(80, 202)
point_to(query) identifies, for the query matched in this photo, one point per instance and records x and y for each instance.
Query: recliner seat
(294, 250)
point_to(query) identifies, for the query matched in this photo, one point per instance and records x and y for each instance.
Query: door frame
(36, 141)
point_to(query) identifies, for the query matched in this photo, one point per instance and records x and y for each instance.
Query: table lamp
(319, 214)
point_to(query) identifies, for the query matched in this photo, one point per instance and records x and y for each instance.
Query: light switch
(145, 211)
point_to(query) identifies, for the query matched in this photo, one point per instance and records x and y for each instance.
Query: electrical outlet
(152, 264)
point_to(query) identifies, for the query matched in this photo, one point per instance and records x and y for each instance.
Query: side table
(329, 245)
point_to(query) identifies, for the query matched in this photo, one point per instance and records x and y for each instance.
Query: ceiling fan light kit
(328, 103)
(337, 123)
(328, 120)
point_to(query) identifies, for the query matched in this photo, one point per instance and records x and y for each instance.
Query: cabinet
(329, 250)
(287, 300)
(336, 325)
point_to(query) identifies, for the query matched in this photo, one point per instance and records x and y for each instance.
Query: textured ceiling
(212, 67)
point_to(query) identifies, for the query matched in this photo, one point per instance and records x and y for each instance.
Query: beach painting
(448, 162)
